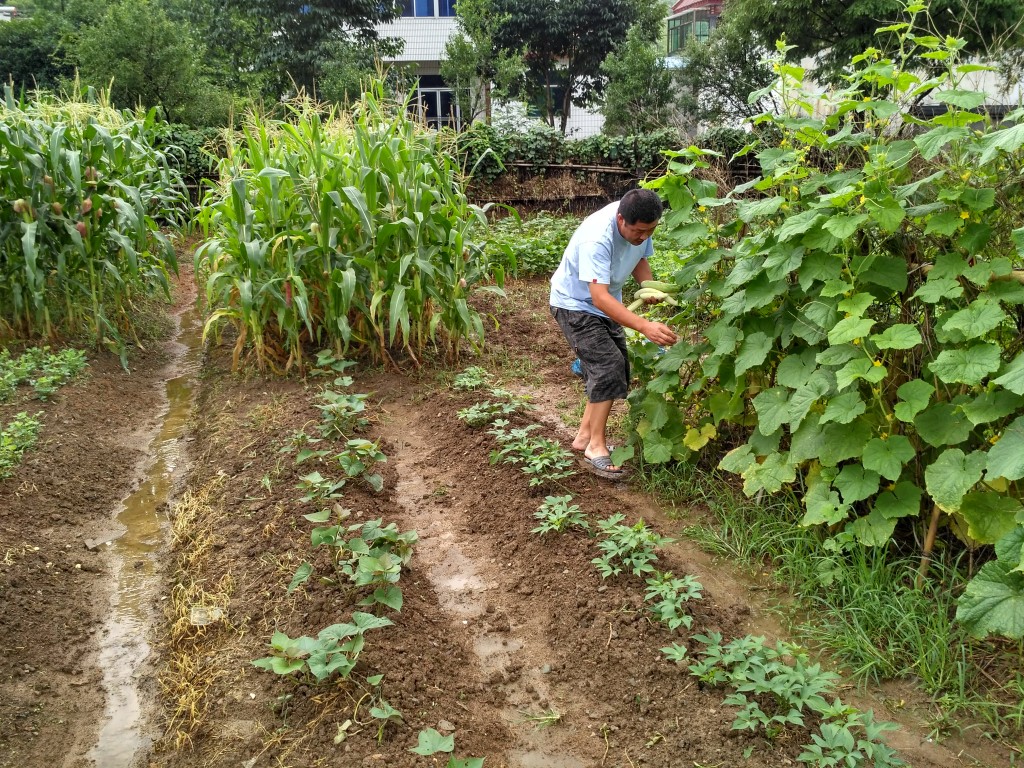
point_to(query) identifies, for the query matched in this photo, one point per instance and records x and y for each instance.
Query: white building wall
(425, 37)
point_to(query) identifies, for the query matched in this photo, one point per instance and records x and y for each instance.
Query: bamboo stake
(929, 543)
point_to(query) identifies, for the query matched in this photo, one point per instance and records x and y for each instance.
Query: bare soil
(501, 629)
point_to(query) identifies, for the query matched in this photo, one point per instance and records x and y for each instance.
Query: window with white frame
(428, 8)
(435, 103)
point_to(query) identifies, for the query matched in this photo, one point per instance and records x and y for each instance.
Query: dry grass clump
(197, 618)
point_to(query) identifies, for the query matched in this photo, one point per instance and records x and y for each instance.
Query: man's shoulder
(597, 227)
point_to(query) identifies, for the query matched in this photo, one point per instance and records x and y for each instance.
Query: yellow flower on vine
(965, 214)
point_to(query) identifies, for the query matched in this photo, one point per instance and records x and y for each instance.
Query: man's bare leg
(592, 437)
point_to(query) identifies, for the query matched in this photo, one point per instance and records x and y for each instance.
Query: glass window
(409, 8)
(446, 7)
(424, 7)
(675, 35)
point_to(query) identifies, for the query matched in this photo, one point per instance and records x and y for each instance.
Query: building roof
(715, 6)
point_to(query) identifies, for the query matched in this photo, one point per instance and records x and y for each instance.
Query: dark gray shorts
(600, 344)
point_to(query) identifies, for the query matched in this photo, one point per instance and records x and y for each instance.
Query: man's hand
(659, 333)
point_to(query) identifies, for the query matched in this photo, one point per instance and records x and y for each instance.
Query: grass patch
(867, 614)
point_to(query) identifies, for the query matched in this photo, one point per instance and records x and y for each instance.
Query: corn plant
(85, 195)
(347, 231)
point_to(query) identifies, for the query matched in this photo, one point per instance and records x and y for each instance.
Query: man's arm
(659, 333)
(642, 271)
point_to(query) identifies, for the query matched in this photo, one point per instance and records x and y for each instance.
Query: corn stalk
(348, 232)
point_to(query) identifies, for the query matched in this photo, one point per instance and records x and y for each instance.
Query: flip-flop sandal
(599, 465)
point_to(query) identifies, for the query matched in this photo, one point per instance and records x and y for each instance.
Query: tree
(565, 42)
(473, 66)
(639, 96)
(297, 35)
(719, 76)
(30, 53)
(148, 60)
(834, 31)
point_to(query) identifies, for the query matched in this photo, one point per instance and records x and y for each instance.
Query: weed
(556, 515)
(627, 547)
(544, 719)
(18, 436)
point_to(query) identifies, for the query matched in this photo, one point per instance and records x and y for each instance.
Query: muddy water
(135, 554)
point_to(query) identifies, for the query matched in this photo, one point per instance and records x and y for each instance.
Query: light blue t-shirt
(597, 253)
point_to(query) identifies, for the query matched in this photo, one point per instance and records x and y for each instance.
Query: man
(586, 302)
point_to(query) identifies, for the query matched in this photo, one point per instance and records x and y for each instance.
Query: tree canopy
(719, 76)
(473, 67)
(297, 34)
(640, 96)
(565, 42)
(834, 31)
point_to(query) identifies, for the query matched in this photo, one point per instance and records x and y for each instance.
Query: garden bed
(508, 640)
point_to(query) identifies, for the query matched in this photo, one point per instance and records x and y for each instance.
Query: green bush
(859, 308)
(531, 246)
(487, 152)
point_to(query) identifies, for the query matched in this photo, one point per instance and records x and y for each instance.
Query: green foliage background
(859, 309)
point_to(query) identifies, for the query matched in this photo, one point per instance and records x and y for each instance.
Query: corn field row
(85, 196)
(342, 230)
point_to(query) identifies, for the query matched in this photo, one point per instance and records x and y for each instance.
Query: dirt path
(57, 573)
(502, 631)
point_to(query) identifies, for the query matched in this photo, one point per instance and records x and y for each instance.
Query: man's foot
(581, 448)
(602, 467)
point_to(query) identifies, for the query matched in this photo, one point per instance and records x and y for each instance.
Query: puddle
(124, 649)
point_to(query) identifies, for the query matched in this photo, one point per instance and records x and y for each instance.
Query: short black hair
(640, 205)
